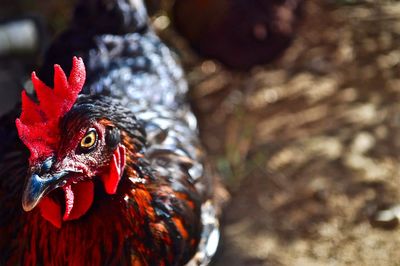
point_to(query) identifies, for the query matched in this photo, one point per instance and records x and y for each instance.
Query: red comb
(38, 125)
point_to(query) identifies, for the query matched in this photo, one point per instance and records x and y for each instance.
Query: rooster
(103, 166)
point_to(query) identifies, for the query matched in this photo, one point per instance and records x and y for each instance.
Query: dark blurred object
(350, 2)
(153, 6)
(22, 39)
(21, 36)
(12, 73)
(239, 33)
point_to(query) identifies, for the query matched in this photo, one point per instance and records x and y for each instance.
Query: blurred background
(298, 104)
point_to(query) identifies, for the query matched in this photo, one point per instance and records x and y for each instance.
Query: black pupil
(88, 139)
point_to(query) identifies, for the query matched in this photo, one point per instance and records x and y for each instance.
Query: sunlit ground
(309, 146)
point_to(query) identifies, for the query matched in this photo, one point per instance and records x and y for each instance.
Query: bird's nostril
(47, 165)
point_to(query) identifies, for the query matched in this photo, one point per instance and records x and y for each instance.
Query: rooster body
(123, 182)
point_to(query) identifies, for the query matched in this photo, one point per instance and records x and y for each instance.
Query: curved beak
(40, 183)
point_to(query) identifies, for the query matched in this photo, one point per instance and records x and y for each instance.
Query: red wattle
(69, 201)
(78, 199)
(117, 165)
(51, 211)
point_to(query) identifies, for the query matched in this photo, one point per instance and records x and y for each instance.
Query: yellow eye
(89, 140)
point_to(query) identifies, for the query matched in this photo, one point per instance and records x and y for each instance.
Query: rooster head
(72, 146)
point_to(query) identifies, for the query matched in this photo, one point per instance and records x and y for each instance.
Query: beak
(40, 183)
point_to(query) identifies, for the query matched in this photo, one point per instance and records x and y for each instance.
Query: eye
(89, 140)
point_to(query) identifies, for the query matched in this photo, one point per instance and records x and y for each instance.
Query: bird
(101, 164)
(238, 33)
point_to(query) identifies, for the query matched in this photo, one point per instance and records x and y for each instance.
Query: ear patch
(113, 137)
(116, 169)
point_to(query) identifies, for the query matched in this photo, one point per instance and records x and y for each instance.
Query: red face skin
(87, 161)
(83, 155)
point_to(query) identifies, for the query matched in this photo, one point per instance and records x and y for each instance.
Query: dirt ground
(309, 146)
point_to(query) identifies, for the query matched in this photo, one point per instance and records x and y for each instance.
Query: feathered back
(110, 16)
